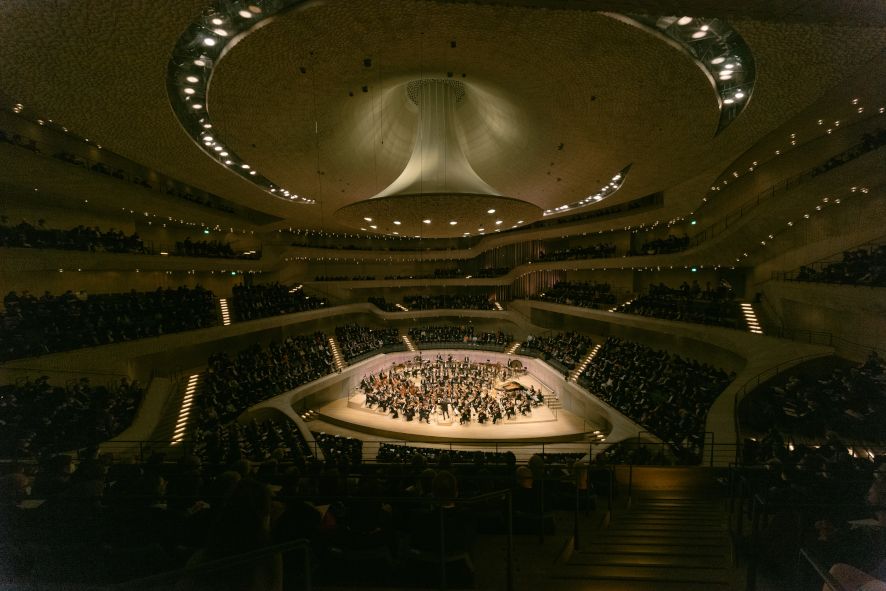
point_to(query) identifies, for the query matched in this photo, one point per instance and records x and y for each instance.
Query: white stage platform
(542, 425)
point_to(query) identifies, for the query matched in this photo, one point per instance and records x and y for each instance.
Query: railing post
(509, 562)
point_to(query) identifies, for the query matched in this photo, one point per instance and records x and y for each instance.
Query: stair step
(633, 559)
(708, 537)
(650, 549)
(654, 529)
(665, 519)
(643, 573)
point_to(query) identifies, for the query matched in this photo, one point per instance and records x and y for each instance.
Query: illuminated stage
(541, 424)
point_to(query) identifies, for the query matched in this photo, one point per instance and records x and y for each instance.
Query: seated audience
(85, 238)
(666, 394)
(585, 295)
(253, 301)
(37, 418)
(465, 334)
(594, 251)
(355, 340)
(689, 303)
(663, 245)
(32, 326)
(565, 348)
(864, 266)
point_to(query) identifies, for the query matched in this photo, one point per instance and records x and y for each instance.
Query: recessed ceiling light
(196, 106)
(698, 34)
(374, 227)
(207, 138)
(498, 222)
(228, 162)
(199, 62)
(208, 41)
(192, 79)
(245, 14)
(453, 222)
(397, 233)
(397, 222)
(222, 153)
(519, 221)
(481, 229)
(220, 32)
(718, 60)
(217, 21)
(728, 101)
(244, 166)
(684, 20)
(252, 172)
(368, 219)
(490, 211)
(207, 126)
(218, 148)
(739, 95)
(426, 221)
(188, 90)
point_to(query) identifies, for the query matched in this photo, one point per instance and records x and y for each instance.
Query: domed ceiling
(557, 103)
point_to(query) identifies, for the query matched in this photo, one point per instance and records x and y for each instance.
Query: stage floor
(543, 424)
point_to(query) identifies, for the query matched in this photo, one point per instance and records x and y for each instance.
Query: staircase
(408, 342)
(337, 357)
(668, 539)
(585, 361)
(552, 402)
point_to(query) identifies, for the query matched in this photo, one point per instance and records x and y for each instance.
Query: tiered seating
(666, 394)
(215, 249)
(255, 441)
(585, 295)
(251, 302)
(37, 418)
(663, 245)
(864, 266)
(449, 302)
(465, 334)
(687, 303)
(832, 397)
(355, 340)
(594, 251)
(230, 386)
(49, 324)
(92, 239)
(565, 348)
(338, 449)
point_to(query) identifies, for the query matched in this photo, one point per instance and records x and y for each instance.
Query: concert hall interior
(442, 294)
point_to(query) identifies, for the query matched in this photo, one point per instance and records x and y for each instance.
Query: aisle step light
(401, 307)
(513, 348)
(497, 306)
(408, 342)
(584, 364)
(750, 318)
(627, 303)
(181, 425)
(336, 354)
(226, 315)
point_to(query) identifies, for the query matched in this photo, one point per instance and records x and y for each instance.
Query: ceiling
(557, 101)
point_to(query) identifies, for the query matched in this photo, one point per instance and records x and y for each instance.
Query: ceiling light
(192, 79)
(684, 20)
(207, 126)
(519, 221)
(368, 219)
(729, 66)
(220, 32)
(698, 34)
(728, 101)
(374, 227)
(490, 211)
(196, 106)
(252, 172)
(397, 222)
(228, 162)
(426, 221)
(207, 138)
(199, 62)
(245, 14)
(217, 21)
(739, 95)
(244, 166)
(718, 60)
(218, 148)
(208, 41)
(189, 91)
(453, 222)
(481, 229)
(222, 154)
(498, 222)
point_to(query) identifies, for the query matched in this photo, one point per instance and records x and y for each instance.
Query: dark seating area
(355, 340)
(829, 396)
(253, 301)
(465, 334)
(383, 304)
(231, 385)
(689, 303)
(39, 419)
(666, 394)
(566, 348)
(663, 245)
(277, 440)
(594, 251)
(828, 499)
(32, 325)
(213, 249)
(340, 450)
(84, 238)
(449, 302)
(584, 294)
(863, 266)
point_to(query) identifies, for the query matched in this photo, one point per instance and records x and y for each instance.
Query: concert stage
(543, 424)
